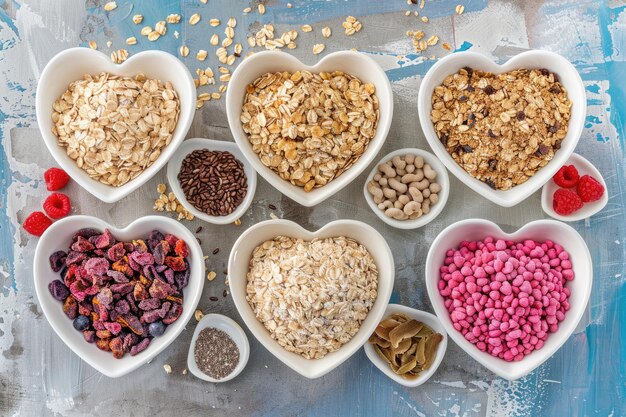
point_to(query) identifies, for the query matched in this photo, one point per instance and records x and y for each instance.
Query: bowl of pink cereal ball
(510, 300)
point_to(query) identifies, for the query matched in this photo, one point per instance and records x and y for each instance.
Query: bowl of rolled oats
(311, 298)
(112, 127)
(309, 130)
(503, 130)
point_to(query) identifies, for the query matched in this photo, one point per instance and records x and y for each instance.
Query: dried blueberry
(491, 134)
(81, 323)
(157, 328)
(57, 260)
(58, 290)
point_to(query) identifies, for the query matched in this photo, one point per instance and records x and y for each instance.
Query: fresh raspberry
(566, 202)
(36, 223)
(57, 205)
(55, 179)
(566, 177)
(589, 189)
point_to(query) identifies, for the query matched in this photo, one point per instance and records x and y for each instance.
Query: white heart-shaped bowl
(540, 230)
(584, 167)
(429, 320)
(59, 236)
(555, 63)
(238, 265)
(70, 65)
(353, 63)
(190, 145)
(442, 179)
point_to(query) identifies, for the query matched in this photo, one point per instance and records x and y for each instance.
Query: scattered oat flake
(432, 40)
(407, 13)
(137, 19)
(289, 5)
(168, 368)
(232, 22)
(306, 28)
(194, 19)
(318, 48)
(326, 32)
(110, 6)
(131, 41)
(185, 371)
(201, 55)
(247, 10)
(215, 39)
(261, 8)
(146, 30)
(93, 45)
(173, 18)
(198, 315)
(446, 46)
(459, 9)
(238, 222)
(211, 276)
(214, 22)
(160, 27)
(184, 50)
(109, 43)
(422, 4)
(424, 19)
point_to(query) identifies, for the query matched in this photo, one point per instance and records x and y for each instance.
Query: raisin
(467, 149)
(490, 183)
(491, 134)
(493, 164)
(469, 71)
(555, 89)
(489, 90)
(462, 98)
(521, 115)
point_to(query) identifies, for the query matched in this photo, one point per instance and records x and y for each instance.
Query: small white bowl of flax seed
(212, 180)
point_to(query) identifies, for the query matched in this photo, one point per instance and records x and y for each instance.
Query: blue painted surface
(591, 367)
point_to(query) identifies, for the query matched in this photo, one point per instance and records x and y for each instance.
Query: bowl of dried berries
(111, 126)
(503, 130)
(212, 179)
(118, 297)
(309, 130)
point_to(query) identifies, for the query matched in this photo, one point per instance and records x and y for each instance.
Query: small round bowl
(70, 65)
(190, 145)
(541, 230)
(584, 167)
(350, 62)
(442, 179)
(59, 236)
(428, 319)
(232, 329)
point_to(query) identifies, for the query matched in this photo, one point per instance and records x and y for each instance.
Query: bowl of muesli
(311, 298)
(503, 130)
(309, 130)
(112, 126)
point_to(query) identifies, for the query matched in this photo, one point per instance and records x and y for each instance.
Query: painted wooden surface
(40, 376)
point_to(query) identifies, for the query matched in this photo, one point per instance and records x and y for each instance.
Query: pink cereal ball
(505, 297)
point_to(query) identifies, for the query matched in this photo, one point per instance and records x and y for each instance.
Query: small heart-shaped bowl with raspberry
(574, 193)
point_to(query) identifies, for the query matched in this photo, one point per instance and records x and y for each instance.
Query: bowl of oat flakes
(503, 130)
(309, 130)
(311, 298)
(112, 126)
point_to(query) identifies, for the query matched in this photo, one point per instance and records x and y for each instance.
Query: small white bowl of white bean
(407, 188)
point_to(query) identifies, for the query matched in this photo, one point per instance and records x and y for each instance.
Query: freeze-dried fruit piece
(182, 278)
(151, 316)
(171, 240)
(123, 266)
(87, 232)
(82, 245)
(96, 266)
(140, 347)
(85, 308)
(105, 296)
(105, 240)
(160, 289)
(142, 258)
(103, 344)
(78, 289)
(169, 276)
(89, 336)
(70, 307)
(117, 276)
(75, 258)
(160, 251)
(149, 304)
(140, 246)
(122, 307)
(181, 248)
(154, 238)
(175, 262)
(173, 314)
(174, 298)
(139, 292)
(114, 328)
(116, 252)
(161, 268)
(58, 290)
(122, 288)
(117, 347)
(130, 340)
(103, 334)
(132, 322)
(57, 260)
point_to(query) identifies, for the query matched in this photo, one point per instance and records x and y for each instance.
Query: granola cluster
(501, 128)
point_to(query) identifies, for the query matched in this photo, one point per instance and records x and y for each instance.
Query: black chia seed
(216, 354)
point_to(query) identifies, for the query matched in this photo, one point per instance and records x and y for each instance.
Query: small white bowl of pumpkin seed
(408, 345)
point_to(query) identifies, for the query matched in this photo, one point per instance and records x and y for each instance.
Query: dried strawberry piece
(85, 308)
(117, 347)
(161, 268)
(160, 289)
(82, 245)
(78, 289)
(129, 247)
(132, 322)
(58, 290)
(182, 278)
(140, 347)
(169, 276)
(113, 315)
(171, 239)
(57, 260)
(116, 252)
(97, 324)
(133, 264)
(139, 292)
(70, 307)
(122, 307)
(131, 303)
(105, 297)
(130, 340)
(151, 316)
(154, 238)
(142, 258)
(86, 233)
(150, 273)
(75, 258)
(105, 240)
(96, 266)
(114, 328)
(139, 246)
(123, 288)
(149, 304)
(181, 248)
(101, 310)
(103, 344)
(164, 309)
(89, 336)
(176, 263)
(117, 276)
(160, 251)
(173, 314)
